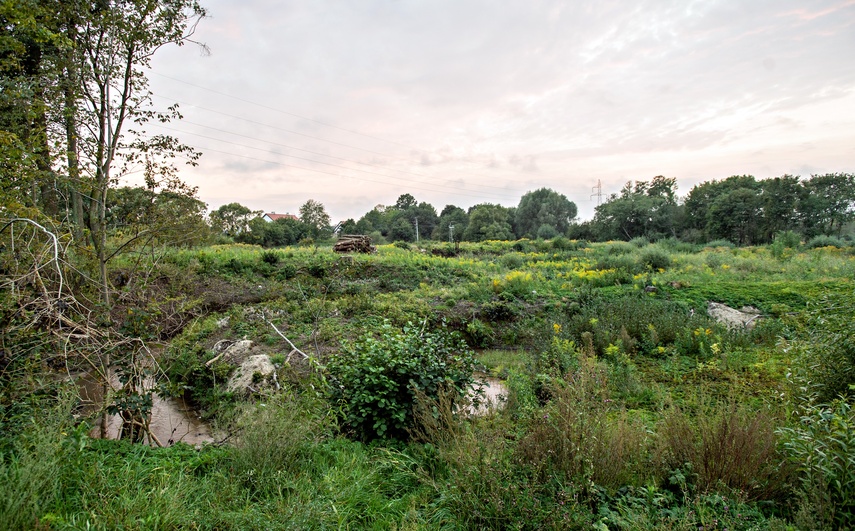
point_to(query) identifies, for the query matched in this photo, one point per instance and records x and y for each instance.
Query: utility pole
(451, 234)
(598, 193)
(417, 230)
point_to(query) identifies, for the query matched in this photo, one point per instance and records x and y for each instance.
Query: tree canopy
(543, 207)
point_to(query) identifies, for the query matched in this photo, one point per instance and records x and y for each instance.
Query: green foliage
(730, 448)
(270, 257)
(824, 241)
(546, 232)
(820, 448)
(638, 322)
(825, 353)
(543, 213)
(788, 239)
(655, 258)
(277, 438)
(374, 380)
(576, 436)
(488, 222)
(720, 243)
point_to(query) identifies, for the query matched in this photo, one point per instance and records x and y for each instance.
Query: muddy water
(495, 392)
(172, 420)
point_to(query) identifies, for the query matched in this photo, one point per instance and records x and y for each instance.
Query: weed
(729, 447)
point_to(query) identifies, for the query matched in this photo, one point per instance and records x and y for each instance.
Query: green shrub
(562, 244)
(546, 232)
(655, 258)
(639, 241)
(512, 260)
(270, 257)
(720, 243)
(825, 353)
(788, 238)
(615, 248)
(402, 245)
(824, 241)
(728, 447)
(375, 379)
(821, 449)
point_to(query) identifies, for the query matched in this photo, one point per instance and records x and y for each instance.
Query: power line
(277, 163)
(286, 112)
(308, 136)
(437, 188)
(319, 122)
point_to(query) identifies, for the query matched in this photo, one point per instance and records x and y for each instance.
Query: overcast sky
(354, 103)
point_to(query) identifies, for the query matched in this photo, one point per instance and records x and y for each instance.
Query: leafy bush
(824, 241)
(512, 260)
(788, 238)
(655, 258)
(619, 248)
(562, 244)
(375, 379)
(270, 257)
(639, 241)
(825, 355)
(546, 232)
(720, 243)
(821, 448)
(402, 245)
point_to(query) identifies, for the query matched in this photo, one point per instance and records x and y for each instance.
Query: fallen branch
(266, 320)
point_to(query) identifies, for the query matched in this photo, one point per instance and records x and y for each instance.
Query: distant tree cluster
(740, 209)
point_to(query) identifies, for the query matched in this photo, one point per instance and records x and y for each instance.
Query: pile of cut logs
(354, 243)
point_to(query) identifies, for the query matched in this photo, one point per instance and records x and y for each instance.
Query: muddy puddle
(172, 420)
(495, 393)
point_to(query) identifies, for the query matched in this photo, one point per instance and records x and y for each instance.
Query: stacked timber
(354, 243)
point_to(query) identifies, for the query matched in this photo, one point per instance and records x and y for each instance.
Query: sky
(353, 103)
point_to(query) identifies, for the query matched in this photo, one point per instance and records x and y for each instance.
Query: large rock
(744, 318)
(252, 375)
(238, 352)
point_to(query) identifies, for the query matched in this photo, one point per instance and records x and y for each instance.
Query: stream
(172, 419)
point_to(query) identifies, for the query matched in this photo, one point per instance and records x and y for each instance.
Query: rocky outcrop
(255, 373)
(741, 319)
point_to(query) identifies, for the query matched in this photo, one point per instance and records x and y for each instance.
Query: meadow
(627, 406)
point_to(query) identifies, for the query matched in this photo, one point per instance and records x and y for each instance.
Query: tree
(735, 216)
(828, 203)
(451, 224)
(405, 201)
(780, 205)
(700, 200)
(349, 227)
(76, 73)
(232, 219)
(315, 216)
(543, 207)
(643, 209)
(489, 222)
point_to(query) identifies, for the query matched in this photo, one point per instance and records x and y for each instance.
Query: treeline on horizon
(740, 209)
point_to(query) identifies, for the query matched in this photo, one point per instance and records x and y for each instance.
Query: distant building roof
(273, 216)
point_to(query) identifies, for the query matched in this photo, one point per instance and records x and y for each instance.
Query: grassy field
(627, 406)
